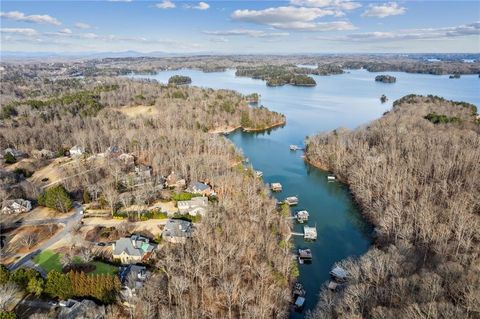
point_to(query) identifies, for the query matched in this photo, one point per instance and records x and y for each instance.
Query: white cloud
(384, 10)
(89, 35)
(34, 18)
(165, 4)
(339, 4)
(247, 32)
(20, 31)
(294, 18)
(81, 25)
(319, 26)
(66, 31)
(202, 6)
(412, 34)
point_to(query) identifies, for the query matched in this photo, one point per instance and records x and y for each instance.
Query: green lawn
(49, 261)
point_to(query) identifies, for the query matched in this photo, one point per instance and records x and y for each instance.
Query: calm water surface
(346, 100)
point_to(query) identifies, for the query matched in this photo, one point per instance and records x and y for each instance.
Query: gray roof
(177, 228)
(197, 187)
(133, 246)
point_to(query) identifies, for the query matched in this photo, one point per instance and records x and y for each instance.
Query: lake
(348, 100)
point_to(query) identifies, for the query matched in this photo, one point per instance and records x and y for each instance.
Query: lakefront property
(304, 159)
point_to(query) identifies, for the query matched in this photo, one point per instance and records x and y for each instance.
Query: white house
(16, 206)
(77, 150)
(195, 206)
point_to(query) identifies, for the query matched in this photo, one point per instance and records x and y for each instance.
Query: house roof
(133, 246)
(198, 187)
(177, 228)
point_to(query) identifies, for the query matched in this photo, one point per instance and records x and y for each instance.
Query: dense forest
(385, 79)
(416, 177)
(179, 80)
(234, 266)
(276, 75)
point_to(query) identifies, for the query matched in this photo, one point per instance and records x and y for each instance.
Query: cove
(346, 100)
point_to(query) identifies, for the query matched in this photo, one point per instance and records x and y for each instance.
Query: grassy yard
(49, 261)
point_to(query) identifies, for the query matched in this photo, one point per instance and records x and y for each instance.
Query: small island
(276, 75)
(454, 76)
(179, 80)
(385, 79)
(383, 98)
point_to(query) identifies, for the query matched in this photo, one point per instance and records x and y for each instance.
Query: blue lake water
(347, 100)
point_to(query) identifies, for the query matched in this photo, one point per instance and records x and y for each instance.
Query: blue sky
(293, 26)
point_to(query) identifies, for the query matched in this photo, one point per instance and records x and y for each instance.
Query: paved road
(69, 223)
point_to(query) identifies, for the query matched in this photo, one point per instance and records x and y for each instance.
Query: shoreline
(230, 129)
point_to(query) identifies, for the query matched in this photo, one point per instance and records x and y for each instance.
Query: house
(132, 278)
(15, 206)
(16, 153)
(143, 171)
(76, 150)
(177, 231)
(126, 159)
(174, 181)
(85, 309)
(195, 206)
(134, 249)
(113, 152)
(43, 154)
(200, 188)
(339, 274)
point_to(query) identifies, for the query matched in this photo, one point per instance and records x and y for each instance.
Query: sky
(241, 27)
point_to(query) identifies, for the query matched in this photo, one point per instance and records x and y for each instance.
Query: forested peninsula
(416, 177)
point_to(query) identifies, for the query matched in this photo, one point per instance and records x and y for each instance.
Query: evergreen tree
(56, 197)
(59, 285)
(9, 158)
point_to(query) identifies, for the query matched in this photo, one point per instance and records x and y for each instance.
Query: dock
(302, 216)
(309, 233)
(294, 147)
(292, 200)
(259, 173)
(276, 187)
(331, 178)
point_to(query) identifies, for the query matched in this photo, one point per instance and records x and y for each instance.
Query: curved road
(69, 223)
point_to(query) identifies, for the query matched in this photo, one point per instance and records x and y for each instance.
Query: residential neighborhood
(64, 232)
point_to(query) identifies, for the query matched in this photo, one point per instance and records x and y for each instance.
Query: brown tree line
(233, 266)
(419, 184)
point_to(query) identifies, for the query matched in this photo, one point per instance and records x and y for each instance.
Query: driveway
(69, 223)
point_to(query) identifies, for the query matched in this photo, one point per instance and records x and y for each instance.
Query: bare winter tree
(8, 293)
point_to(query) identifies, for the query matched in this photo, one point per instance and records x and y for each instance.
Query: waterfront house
(195, 206)
(16, 206)
(339, 274)
(177, 231)
(200, 188)
(134, 249)
(113, 152)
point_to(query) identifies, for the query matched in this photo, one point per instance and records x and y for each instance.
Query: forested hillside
(418, 181)
(234, 265)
